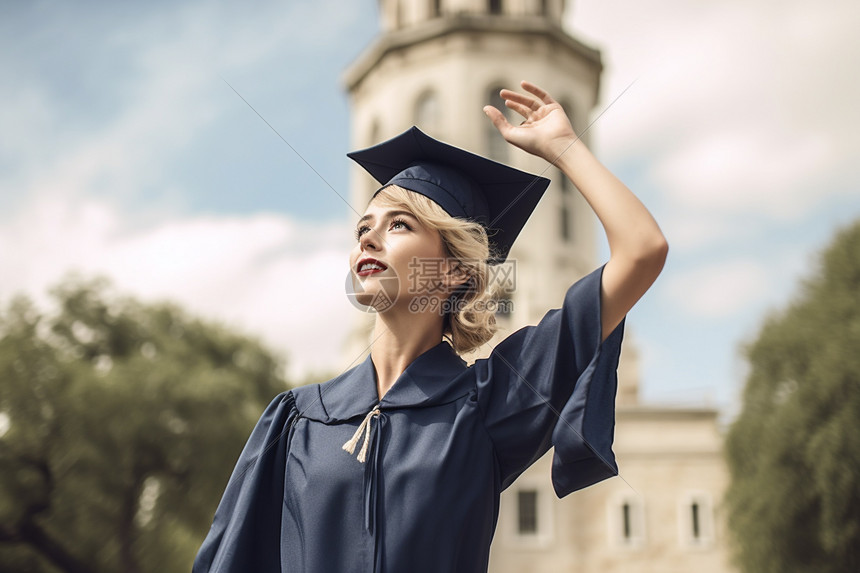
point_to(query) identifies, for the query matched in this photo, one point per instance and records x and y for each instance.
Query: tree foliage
(794, 451)
(120, 423)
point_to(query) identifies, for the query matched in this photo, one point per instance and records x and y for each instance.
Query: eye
(400, 224)
(360, 231)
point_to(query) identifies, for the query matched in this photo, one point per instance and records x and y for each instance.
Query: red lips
(367, 266)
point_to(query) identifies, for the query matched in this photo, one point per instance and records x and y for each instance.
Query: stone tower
(435, 65)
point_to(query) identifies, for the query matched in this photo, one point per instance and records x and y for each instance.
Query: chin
(365, 298)
(360, 289)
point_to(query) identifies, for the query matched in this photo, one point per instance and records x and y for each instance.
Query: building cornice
(665, 412)
(408, 37)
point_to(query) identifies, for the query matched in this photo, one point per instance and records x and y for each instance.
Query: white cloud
(266, 274)
(739, 106)
(168, 91)
(687, 234)
(719, 290)
(745, 171)
(70, 175)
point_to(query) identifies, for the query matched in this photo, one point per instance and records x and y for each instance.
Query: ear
(455, 276)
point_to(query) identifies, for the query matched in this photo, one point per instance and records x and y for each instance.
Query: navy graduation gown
(446, 441)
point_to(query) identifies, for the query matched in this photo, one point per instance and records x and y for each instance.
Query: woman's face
(396, 258)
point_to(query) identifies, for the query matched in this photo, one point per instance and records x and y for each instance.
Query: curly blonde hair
(470, 319)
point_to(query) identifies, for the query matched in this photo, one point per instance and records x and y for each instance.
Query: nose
(370, 240)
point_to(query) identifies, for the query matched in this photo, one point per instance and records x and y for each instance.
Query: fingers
(522, 99)
(497, 118)
(538, 92)
(519, 108)
(524, 104)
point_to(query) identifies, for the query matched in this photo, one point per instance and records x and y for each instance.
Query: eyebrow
(389, 215)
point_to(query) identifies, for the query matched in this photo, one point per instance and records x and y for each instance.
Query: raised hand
(546, 131)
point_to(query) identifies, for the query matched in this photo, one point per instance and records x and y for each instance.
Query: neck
(401, 336)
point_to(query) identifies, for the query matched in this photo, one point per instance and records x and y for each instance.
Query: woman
(430, 442)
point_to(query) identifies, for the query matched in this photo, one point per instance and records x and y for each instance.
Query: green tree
(794, 451)
(120, 423)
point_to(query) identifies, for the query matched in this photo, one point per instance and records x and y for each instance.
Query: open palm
(546, 131)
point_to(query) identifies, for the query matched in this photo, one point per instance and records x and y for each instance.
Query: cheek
(419, 250)
(353, 255)
(433, 248)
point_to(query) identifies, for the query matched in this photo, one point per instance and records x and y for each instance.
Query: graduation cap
(465, 185)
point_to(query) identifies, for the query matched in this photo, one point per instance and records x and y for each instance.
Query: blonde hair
(470, 320)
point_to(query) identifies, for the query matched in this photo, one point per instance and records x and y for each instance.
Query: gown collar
(433, 378)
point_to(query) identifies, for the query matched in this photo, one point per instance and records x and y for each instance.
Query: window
(697, 526)
(567, 106)
(435, 8)
(373, 133)
(627, 522)
(696, 521)
(566, 209)
(567, 199)
(527, 512)
(495, 6)
(504, 302)
(497, 147)
(503, 281)
(626, 515)
(566, 184)
(427, 112)
(374, 136)
(564, 222)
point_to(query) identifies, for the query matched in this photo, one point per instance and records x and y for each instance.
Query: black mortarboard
(464, 184)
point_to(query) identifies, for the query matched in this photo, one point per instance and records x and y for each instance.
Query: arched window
(567, 188)
(567, 106)
(427, 112)
(374, 137)
(566, 207)
(503, 280)
(373, 133)
(497, 147)
(564, 224)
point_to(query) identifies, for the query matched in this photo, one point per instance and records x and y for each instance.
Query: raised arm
(637, 246)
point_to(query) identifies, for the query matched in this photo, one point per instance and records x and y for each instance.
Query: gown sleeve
(554, 385)
(245, 534)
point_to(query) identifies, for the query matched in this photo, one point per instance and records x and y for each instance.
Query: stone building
(435, 64)
(662, 515)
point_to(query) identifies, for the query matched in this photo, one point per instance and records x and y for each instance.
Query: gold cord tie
(363, 427)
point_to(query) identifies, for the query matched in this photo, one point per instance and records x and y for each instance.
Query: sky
(125, 153)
